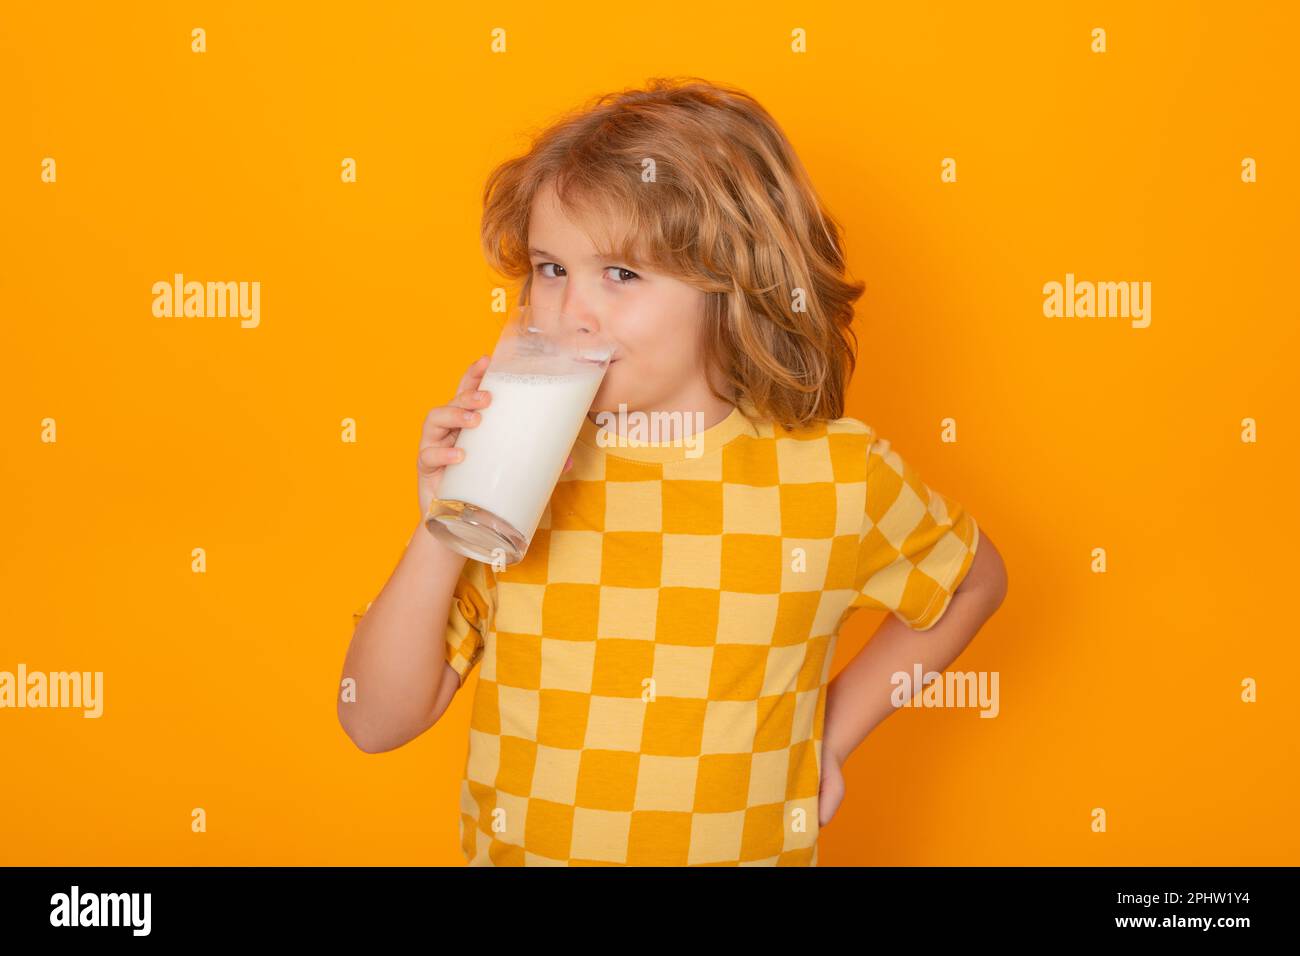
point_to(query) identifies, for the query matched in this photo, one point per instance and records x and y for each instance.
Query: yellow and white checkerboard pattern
(653, 678)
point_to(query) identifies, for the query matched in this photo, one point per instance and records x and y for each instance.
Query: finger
(474, 374)
(568, 463)
(455, 417)
(434, 428)
(472, 398)
(441, 421)
(433, 457)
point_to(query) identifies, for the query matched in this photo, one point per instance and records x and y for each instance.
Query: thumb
(568, 463)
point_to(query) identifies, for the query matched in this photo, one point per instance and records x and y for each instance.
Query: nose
(579, 314)
(584, 319)
(576, 309)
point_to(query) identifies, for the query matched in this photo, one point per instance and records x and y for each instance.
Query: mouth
(602, 356)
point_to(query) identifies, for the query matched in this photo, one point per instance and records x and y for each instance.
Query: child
(653, 687)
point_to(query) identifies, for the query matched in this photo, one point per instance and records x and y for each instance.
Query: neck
(671, 417)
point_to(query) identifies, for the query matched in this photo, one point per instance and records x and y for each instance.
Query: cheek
(659, 341)
(664, 345)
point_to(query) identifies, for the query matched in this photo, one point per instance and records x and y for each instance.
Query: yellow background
(1118, 690)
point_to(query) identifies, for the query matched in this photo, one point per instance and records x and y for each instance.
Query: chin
(609, 395)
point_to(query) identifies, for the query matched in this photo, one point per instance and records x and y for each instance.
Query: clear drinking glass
(545, 370)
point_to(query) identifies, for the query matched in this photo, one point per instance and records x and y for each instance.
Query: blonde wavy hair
(731, 211)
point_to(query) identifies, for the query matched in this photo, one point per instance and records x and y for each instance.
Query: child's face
(653, 319)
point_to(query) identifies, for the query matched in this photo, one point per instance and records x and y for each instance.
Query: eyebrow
(610, 254)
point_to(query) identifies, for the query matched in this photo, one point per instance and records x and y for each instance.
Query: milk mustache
(515, 454)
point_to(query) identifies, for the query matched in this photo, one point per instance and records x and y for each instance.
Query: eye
(630, 275)
(542, 266)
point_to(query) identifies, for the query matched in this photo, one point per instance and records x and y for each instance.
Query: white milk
(515, 454)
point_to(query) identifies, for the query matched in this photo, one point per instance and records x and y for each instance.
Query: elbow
(989, 574)
(377, 737)
(998, 586)
(360, 742)
(365, 742)
(369, 745)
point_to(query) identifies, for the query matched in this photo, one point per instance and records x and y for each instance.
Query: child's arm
(397, 656)
(859, 697)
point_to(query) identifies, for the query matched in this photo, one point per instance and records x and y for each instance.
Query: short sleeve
(916, 545)
(470, 618)
(468, 621)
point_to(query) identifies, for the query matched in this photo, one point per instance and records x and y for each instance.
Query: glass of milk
(543, 376)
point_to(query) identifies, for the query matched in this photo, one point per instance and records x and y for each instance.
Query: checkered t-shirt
(652, 680)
